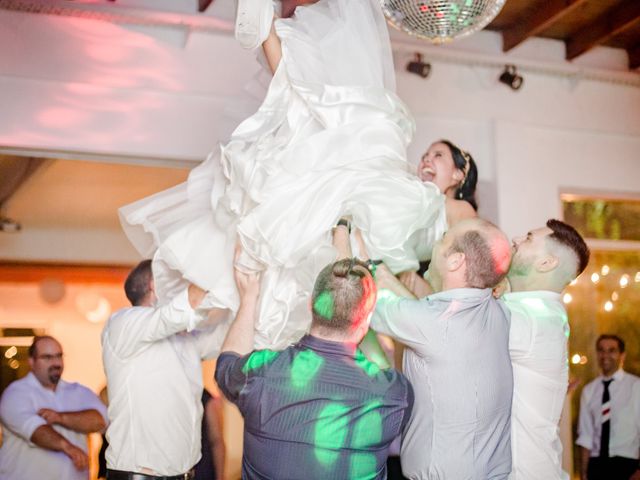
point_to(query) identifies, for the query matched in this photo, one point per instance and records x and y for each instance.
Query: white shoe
(253, 22)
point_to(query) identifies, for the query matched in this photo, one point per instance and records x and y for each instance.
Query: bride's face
(437, 166)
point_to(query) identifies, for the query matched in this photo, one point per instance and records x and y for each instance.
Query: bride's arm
(341, 241)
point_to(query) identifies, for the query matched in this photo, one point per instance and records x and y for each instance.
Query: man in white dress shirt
(152, 359)
(544, 261)
(46, 420)
(457, 357)
(609, 423)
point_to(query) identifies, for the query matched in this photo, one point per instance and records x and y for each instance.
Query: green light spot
(454, 8)
(323, 305)
(259, 358)
(330, 432)
(369, 368)
(362, 466)
(305, 367)
(537, 306)
(368, 429)
(468, 3)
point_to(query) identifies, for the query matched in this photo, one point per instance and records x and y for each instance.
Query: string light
(567, 298)
(615, 296)
(595, 278)
(605, 270)
(637, 279)
(575, 359)
(574, 281)
(11, 352)
(608, 305)
(624, 280)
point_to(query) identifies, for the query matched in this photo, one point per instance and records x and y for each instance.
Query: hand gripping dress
(328, 140)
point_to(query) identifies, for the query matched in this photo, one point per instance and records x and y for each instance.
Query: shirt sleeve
(130, 330)
(18, 413)
(405, 319)
(521, 333)
(585, 421)
(230, 375)
(91, 401)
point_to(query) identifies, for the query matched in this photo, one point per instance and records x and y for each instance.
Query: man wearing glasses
(46, 420)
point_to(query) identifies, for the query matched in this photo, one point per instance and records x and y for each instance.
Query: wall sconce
(419, 67)
(511, 78)
(9, 226)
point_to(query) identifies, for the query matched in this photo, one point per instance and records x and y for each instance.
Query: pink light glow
(57, 117)
(107, 53)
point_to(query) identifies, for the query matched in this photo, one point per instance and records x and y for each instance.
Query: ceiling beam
(539, 20)
(634, 57)
(17, 272)
(606, 26)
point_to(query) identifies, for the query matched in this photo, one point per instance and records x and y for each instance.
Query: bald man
(457, 357)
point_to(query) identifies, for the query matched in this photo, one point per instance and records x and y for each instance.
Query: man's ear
(547, 263)
(455, 261)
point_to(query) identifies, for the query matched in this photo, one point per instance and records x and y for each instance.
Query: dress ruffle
(329, 140)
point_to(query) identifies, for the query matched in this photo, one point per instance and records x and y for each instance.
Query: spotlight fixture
(419, 67)
(511, 78)
(9, 226)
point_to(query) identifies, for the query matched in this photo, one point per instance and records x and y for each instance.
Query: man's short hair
(569, 237)
(610, 336)
(343, 296)
(33, 348)
(486, 264)
(137, 284)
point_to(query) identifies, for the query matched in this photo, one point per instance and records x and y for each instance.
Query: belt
(120, 475)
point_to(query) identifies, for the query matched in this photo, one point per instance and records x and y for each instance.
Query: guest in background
(46, 420)
(609, 423)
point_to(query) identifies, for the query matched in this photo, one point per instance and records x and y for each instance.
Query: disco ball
(441, 20)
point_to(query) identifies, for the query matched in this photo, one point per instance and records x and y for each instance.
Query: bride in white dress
(329, 140)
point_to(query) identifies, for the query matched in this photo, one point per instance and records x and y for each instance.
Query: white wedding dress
(329, 140)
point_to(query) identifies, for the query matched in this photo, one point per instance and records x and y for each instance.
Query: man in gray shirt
(457, 357)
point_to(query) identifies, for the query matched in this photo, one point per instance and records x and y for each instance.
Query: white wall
(90, 86)
(554, 133)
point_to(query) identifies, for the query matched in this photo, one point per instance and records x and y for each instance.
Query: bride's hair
(464, 161)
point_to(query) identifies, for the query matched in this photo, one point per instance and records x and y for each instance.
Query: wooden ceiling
(581, 24)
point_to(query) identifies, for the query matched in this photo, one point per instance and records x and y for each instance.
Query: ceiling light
(511, 78)
(419, 67)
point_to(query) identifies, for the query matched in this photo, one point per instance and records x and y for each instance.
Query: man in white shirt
(152, 359)
(609, 423)
(457, 357)
(46, 420)
(544, 261)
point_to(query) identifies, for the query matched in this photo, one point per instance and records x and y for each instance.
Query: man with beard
(46, 420)
(545, 261)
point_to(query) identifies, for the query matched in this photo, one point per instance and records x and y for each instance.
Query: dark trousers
(612, 468)
(394, 471)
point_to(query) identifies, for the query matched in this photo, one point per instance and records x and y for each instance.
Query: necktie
(605, 419)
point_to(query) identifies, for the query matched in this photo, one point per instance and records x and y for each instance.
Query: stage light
(419, 67)
(511, 78)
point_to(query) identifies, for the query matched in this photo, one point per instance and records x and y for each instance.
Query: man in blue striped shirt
(319, 408)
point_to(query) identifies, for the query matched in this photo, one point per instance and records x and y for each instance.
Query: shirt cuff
(585, 442)
(31, 425)
(181, 303)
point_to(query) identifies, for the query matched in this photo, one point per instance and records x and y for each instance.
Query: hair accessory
(372, 265)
